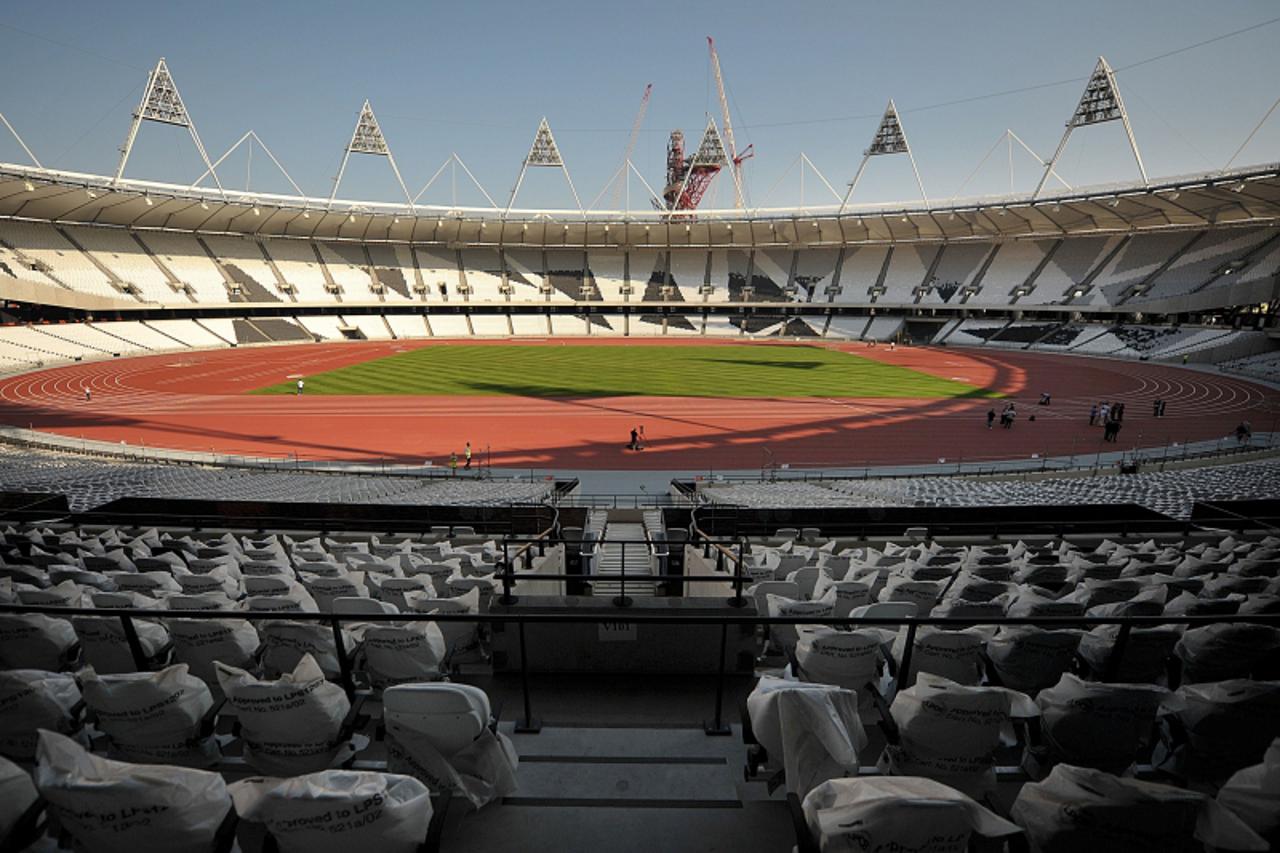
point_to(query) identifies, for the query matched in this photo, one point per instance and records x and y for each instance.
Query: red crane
(687, 182)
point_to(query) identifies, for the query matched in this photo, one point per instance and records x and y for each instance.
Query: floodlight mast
(162, 103)
(889, 138)
(367, 138)
(1099, 103)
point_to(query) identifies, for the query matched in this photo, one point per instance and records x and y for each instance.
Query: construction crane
(689, 178)
(631, 144)
(732, 147)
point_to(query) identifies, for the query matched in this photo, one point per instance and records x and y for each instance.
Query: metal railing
(336, 621)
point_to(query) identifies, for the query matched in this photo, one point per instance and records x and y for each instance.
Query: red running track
(195, 400)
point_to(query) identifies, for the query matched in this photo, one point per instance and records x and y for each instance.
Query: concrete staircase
(624, 549)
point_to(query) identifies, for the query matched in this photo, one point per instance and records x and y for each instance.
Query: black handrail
(530, 724)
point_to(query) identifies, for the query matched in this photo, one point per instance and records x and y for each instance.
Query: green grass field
(617, 371)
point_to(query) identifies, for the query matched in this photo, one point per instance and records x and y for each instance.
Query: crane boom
(728, 124)
(631, 144)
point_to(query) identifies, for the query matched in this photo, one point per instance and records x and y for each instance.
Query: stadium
(673, 521)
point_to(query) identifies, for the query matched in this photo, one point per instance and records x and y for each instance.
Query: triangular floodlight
(161, 102)
(1101, 99)
(367, 138)
(1100, 103)
(889, 138)
(13, 131)
(711, 149)
(706, 162)
(543, 152)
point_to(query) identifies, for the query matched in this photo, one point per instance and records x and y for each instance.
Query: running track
(195, 400)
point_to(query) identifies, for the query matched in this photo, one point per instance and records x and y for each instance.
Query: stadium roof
(1243, 196)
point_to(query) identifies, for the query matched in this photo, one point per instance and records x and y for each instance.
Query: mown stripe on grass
(731, 370)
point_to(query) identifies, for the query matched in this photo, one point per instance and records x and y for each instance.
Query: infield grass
(619, 371)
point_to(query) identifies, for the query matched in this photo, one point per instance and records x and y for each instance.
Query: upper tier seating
(860, 272)
(44, 244)
(119, 252)
(299, 266)
(1012, 266)
(187, 260)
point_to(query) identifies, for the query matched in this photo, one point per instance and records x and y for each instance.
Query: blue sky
(475, 78)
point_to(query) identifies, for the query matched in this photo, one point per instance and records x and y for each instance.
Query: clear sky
(474, 78)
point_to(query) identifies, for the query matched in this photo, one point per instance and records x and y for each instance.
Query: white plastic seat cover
(897, 813)
(439, 733)
(1078, 809)
(35, 641)
(30, 700)
(1253, 793)
(337, 811)
(1091, 724)
(289, 725)
(152, 717)
(950, 732)
(114, 807)
(17, 794)
(813, 729)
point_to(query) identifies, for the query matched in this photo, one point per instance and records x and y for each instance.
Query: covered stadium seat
(36, 641)
(297, 723)
(950, 732)
(896, 813)
(442, 734)
(153, 717)
(1219, 728)
(1089, 724)
(115, 807)
(1253, 794)
(813, 731)
(335, 811)
(395, 652)
(32, 699)
(1028, 659)
(1076, 808)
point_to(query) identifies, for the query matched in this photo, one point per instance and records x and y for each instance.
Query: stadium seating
(127, 261)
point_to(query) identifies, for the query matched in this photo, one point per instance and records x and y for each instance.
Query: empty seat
(950, 732)
(114, 807)
(335, 811)
(36, 641)
(813, 730)
(1076, 808)
(395, 652)
(30, 700)
(896, 813)
(153, 717)
(1029, 659)
(443, 735)
(1103, 726)
(293, 724)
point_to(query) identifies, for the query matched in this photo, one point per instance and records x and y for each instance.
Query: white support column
(39, 165)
